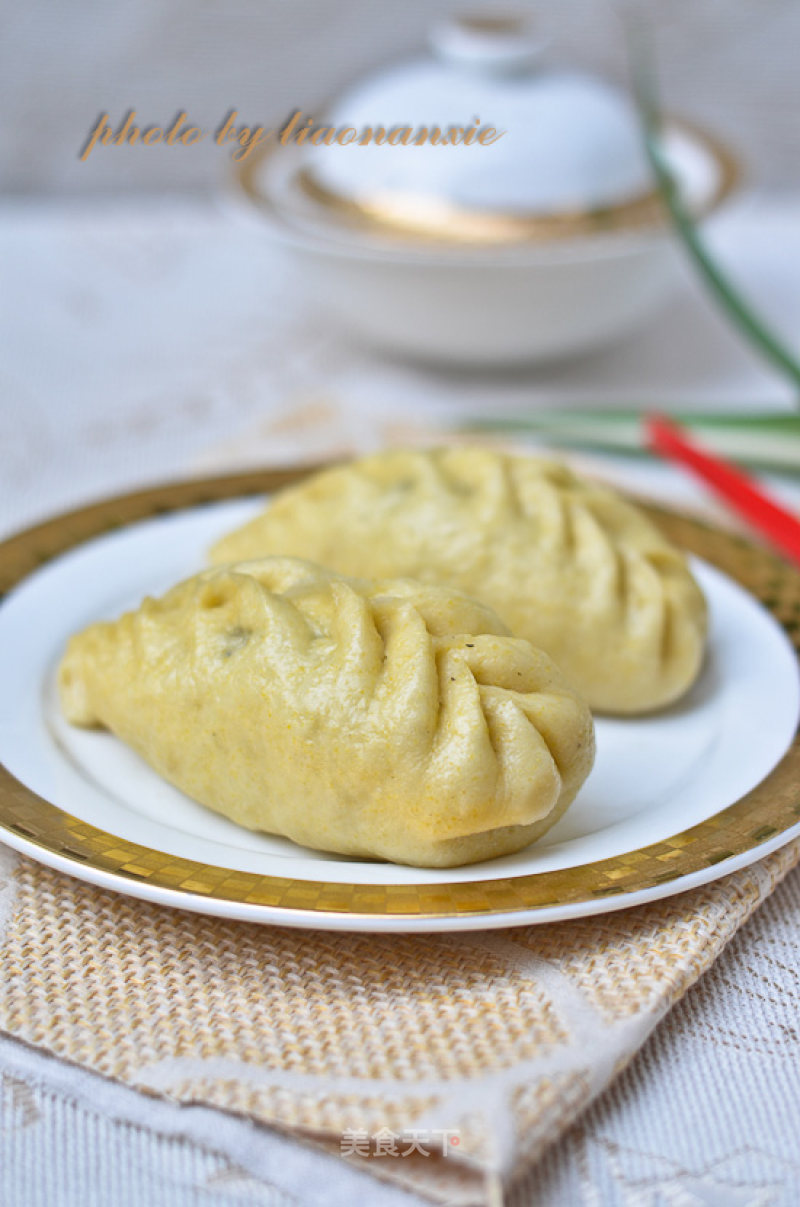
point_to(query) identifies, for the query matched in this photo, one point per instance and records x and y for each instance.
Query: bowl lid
(569, 163)
(480, 127)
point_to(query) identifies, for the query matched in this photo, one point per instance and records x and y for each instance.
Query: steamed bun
(566, 563)
(386, 719)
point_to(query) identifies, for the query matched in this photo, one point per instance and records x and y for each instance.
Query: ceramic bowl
(549, 289)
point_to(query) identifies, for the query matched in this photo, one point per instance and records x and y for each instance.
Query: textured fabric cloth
(724, 1135)
(484, 1045)
(69, 1138)
(675, 1128)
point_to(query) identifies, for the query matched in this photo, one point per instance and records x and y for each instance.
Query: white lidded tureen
(475, 205)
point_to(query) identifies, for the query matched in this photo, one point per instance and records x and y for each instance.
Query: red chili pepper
(736, 488)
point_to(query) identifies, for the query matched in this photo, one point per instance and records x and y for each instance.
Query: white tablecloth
(141, 343)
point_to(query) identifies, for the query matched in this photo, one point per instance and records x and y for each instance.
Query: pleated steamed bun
(387, 719)
(567, 563)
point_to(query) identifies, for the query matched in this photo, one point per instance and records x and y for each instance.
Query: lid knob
(498, 44)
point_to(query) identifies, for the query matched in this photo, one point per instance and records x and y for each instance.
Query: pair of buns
(395, 716)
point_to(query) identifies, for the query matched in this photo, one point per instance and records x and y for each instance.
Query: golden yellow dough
(385, 719)
(565, 562)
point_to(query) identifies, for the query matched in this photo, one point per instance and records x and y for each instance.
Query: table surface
(162, 339)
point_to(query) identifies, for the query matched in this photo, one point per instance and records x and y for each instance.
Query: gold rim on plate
(758, 819)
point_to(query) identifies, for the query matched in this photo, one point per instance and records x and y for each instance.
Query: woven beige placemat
(484, 1046)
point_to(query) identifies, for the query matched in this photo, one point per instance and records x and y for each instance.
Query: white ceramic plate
(655, 777)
